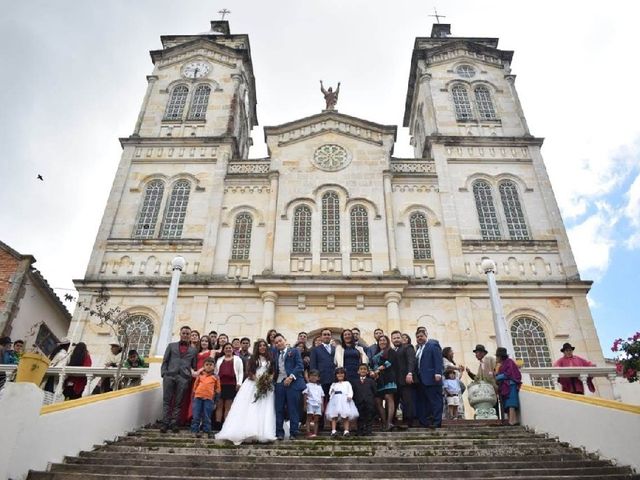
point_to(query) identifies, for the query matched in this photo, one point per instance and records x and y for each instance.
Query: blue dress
(351, 363)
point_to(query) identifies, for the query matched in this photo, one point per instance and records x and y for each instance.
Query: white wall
(31, 440)
(610, 432)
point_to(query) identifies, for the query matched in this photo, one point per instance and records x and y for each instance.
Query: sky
(73, 79)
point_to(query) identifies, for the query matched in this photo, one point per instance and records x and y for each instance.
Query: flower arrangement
(629, 358)
(264, 385)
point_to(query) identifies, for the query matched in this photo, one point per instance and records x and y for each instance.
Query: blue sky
(74, 78)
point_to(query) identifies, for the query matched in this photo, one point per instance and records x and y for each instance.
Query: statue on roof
(330, 97)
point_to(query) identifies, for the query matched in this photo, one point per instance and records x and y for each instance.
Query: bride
(252, 420)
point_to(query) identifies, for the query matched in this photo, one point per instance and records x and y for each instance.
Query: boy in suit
(364, 396)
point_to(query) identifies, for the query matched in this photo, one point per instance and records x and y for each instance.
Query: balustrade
(581, 373)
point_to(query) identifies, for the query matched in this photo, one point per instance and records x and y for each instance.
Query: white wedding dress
(250, 421)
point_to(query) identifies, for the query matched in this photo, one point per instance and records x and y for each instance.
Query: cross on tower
(223, 12)
(438, 17)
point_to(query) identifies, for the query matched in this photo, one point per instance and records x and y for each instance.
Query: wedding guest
(178, 364)
(18, 348)
(322, 360)
(235, 343)
(341, 405)
(205, 390)
(271, 334)
(7, 353)
(364, 396)
(114, 357)
(289, 380)
(373, 348)
(449, 363)
(314, 397)
(204, 352)
(571, 384)
(406, 363)
(509, 380)
(213, 338)
(58, 357)
(406, 339)
(245, 354)
(452, 392)
(194, 338)
(429, 380)
(385, 365)
(302, 337)
(348, 355)
(305, 353)
(486, 366)
(230, 371)
(223, 339)
(74, 384)
(355, 331)
(317, 341)
(134, 361)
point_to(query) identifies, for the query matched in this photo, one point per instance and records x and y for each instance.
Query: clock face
(196, 69)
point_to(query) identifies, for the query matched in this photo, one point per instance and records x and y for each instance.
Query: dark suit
(176, 377)
(364, 396)
(289, 396)
(406, 363)
(323, 361)
(429, 406)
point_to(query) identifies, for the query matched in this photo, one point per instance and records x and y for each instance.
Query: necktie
(419, 352)
(328, 348)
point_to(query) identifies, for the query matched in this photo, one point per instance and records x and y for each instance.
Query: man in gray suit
(177, 365)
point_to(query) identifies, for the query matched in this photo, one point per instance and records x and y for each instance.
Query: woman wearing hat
(509, 381)
(573, 384)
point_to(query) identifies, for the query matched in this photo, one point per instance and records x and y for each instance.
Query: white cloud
(632, 212)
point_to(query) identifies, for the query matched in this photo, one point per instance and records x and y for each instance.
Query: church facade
(331, 230)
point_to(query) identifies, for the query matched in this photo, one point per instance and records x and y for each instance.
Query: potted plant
(482, 397)
(628, 361)
(33, 364)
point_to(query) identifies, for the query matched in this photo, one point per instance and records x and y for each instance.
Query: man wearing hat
(573, 384)
(7, 355)
(486, 367)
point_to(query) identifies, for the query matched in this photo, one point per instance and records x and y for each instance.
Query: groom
(289, 378)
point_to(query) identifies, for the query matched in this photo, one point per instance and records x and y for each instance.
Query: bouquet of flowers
(264, 385)
(629, 360)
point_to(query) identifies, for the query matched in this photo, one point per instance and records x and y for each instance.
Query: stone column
(151, 79)
(166, 330)
(511, 79)
(271, 222)
(503, 338)
(268, 311)
(585, 386)
(388, 213)
(612, 380)
(426, 79)
(392, 301)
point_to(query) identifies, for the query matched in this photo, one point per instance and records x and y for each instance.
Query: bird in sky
(39, 177)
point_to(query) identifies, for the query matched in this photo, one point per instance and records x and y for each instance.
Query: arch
(149, 209)
(176, 209)
(495, 179)
(415, 207)
(292, 204)
(367, 203)
(138, 328)
(359, 221)
(301, 236)
(231, 214)
(177, 102)
(420, 242)
(484, 103)
(461, 101)
(486, 209)
(199, 102)
(330, 222)
(339, 189)
(241, 246)
(512, 207)
(530, 345)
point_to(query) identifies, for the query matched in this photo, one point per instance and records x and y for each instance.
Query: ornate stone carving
(248, 167)
(331, 157)
(246, 189)
(482, 397)
(413, 166)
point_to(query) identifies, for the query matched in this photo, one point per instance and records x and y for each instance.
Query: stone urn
(482, 397)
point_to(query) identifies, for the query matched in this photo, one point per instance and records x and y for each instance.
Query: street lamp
(503, 338)
(177, 265)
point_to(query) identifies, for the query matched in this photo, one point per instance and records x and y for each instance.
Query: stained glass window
(242, 237)
(176, 210)
(487, 216)
(148, 216)
(177, 102)
(359, 230)
(301, 230)
(420, 236)
(139, 330)
(330, 223)
(530, 345)
(484, 103)
(461, 103)
(199, 103)
(513, 211)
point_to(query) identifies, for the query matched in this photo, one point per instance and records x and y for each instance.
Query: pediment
(467, 49)
(199, 46)
(329, 121)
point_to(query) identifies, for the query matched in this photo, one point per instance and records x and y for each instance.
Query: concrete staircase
(465, 450)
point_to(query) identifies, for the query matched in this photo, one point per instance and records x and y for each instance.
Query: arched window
(138, 329)
(330, 223)
(199, 103)
(301, 230)
(242, 237)
(177, 102)
(487, 216)
(176, 210)
(420, 236)
(148, 216)
(461, 103)
(359, 230)
(484, 103)
(530, 345)
(513, 211)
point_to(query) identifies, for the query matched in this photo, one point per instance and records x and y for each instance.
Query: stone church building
(332, 230)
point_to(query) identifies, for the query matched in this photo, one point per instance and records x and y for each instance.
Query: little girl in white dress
(341, 403)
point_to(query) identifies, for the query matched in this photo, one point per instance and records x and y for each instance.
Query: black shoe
(198, 435)
(279, 439)
(163, 429)
(175, 429)
(293, 438)
(211, 435)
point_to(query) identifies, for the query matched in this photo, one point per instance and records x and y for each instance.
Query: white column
(503, 339)
(178, 264)
(511, 79)
(268, 311)
(555, 380)
(271, 222)
(151, 79)
(585, 386)
(392, 301)
(388, 213)
(614, 388)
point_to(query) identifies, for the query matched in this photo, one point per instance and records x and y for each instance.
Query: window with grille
(484, 103)
(330, 223)
(138, 330)
(466, 71)
(199, 103)
(46, 341)
(513, 211)
(176, 210)
(530, 345)
(420, 236)
(359, 230)
(487, 215)
(301, 230)
(242, 237)
(461, 103)
(177, 102)
(148, 216)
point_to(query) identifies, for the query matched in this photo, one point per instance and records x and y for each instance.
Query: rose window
(331, 157)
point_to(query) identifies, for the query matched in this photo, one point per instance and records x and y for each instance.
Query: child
(314, 396)
(206, 390)
(452, 392)
(341, 403)
(364, 396)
